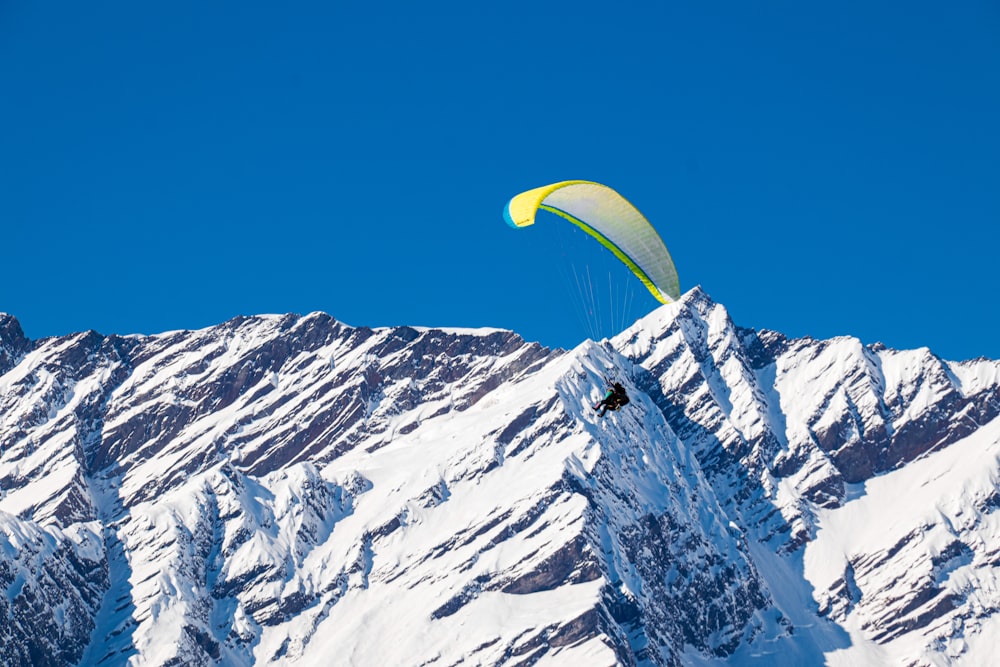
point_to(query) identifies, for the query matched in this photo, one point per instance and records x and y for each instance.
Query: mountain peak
(13, 343)
(10, 328)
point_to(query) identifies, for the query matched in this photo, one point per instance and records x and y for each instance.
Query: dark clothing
(614, 398)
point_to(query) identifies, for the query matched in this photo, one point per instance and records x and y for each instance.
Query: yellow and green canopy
(609, 218)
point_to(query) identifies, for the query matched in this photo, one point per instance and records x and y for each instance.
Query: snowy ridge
(286, 489)
(306, 562)
(802, 431)
(911, 564)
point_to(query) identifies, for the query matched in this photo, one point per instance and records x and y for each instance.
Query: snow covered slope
(294, 490)
(910, 563)
(797, 436)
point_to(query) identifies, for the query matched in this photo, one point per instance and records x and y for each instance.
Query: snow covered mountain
(293, 490)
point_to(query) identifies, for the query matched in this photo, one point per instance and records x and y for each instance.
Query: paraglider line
(610, 245)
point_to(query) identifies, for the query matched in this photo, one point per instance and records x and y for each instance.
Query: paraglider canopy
(612, 220)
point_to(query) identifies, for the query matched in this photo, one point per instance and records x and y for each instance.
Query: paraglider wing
(612, 220)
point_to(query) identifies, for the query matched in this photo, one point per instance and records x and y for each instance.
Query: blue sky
(821, 169)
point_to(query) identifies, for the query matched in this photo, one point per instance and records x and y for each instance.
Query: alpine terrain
(294, 490)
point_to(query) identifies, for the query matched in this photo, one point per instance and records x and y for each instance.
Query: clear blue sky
(820, 168)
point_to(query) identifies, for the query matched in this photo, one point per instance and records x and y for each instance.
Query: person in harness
(614, 398)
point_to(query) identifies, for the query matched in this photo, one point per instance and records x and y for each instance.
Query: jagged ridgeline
(293, 490)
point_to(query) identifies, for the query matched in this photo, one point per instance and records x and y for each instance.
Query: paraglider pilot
(614, 398)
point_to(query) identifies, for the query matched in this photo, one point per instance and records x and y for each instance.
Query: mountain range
(287, 489)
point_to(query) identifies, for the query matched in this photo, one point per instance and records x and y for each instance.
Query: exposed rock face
(289, 488)
(13, 344)
(54, 581)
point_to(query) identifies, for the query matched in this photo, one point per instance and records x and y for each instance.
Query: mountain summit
(294, 490)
